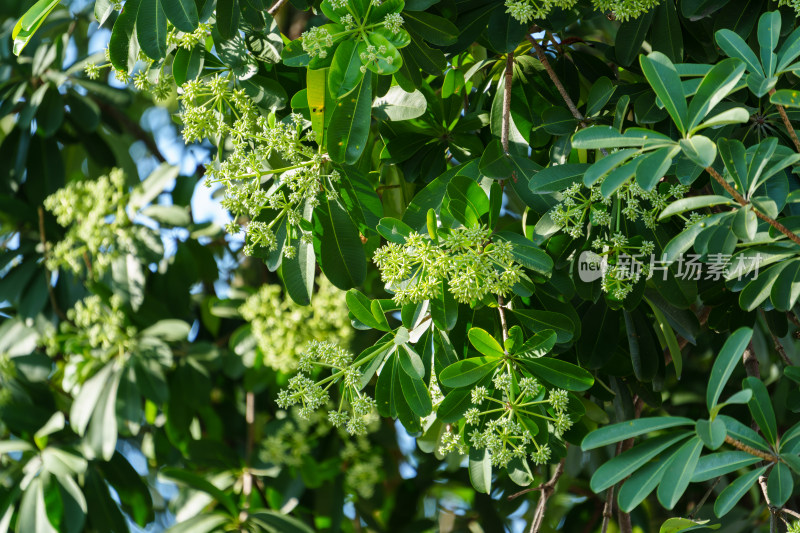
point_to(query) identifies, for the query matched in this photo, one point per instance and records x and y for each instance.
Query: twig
(502, 309)
(773, 524)
(741, 200)
(47, 273)
(704, 498)
(750, 362)
(787, 123)
(749, 449)
(777, 343)
(547, 490)
(557, 82)
(608, 508)
(275, 7)
(506, 122)
(247, 480)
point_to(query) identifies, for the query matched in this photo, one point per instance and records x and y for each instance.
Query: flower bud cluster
(99, 230)
(283, 328)
(316, 41)
(525, 11)
(502, 415)
(355, 410)
(625, 9)
(466, 258)
(627, 263)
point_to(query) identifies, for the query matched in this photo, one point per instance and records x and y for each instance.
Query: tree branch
(777, 342)
(739, 445)
(741, 200)
(787, 123)
(547, 490)
(506, 123)
(557, 82)
(47, 274)
(275, 7)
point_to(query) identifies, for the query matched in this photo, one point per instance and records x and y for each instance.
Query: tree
(555, 243)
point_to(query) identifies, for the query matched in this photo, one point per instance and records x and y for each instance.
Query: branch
(554, 78)
(777, 342)
(741, 200)
(506, 123)
(502, 309)
(787, 123)
(773, 524)
(132, 126)
(749, 449)
(275, 7)
(547, 490)
(608, 508)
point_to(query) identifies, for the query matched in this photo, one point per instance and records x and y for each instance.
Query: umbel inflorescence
(467, 260)
(268, 165)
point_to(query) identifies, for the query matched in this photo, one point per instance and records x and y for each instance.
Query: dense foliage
(474, 246)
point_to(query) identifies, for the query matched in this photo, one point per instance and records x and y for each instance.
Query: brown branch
(739, 445)
(743, 202)
(608, 508)
(787, 123)
(777, 342)
(773, 523)
(275, 7)
(557, 82)
(506, 122)
(704, 498)
(47, 274)
(547, 490)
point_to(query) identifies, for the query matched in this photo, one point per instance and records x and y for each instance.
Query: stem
(506, 123)
(777, 343)
(502, 309)
(741, 200)
(704, 498)
(749, 449)
(554, 78)
(787, 123)
(547, 490)
(275, 7)
(608, 508)
(247, 481)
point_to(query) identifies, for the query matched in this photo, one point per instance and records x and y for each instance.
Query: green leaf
(758, 290)
(716, 85)
(32, 515)
(416, 394)
(182, 14)
(411, 362)
(485, 343)
(559, 373)
(693, 203)
(653, 166)
(101, 434)
(731, 495)
(734, 46)
(558, 120)
(641, 484)
(397, 105)
(151, 29)
(601, 92)
(769, 31)
(168, 329)
(227, 18)
(349, 126)
(626, 463)
(557, 178)
(712, 432)
(603, 166)
(480, 469)
(719, 464)
(786, 288)
(666, 34)
(345, 71)
(197, 482)
(537, 321)
(278, 522)
(527, 253)
(786, 98)
(432, 28)
(679, 472)
(743, 433)
(619, 177)
(789, 50)
(779, 485)
(737, 115)
(341, 253)
(664, 79)
(298, 272)
(495, 163)
(729, 356)
(122, 35)
(27, 25)
(465, 373)
(630, 36)
(361, 307)
(629, 429)
(761, 408)
(699, 149)
(675, 524)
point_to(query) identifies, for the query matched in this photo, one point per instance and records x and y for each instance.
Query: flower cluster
(579, 206)
(627, 263)
(355, 410)
(283, 329)
(316, 42)
(625, 9)
(502, 417)
(267, 164)
(471, 263)
(99, 229)
(187, 41)
(526, 10)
